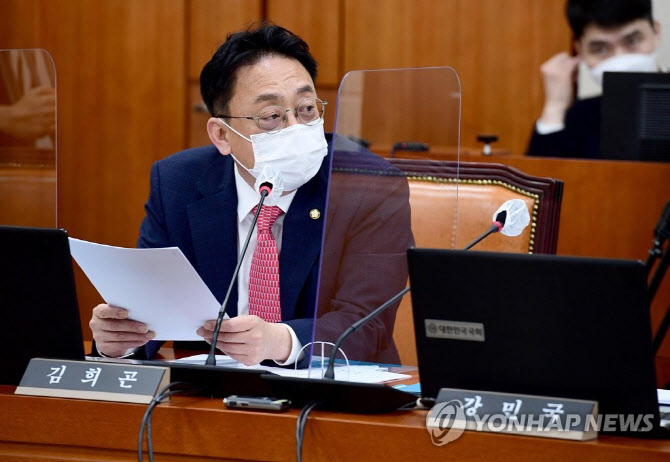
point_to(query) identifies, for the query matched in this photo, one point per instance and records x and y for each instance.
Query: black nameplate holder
(95, 380)
(528, 415)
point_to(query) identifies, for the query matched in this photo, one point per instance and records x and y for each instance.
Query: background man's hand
(558, 75)
(32, 116)
(114, 333)
(249, 340)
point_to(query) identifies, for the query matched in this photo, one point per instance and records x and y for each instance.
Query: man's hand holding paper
(114, 333)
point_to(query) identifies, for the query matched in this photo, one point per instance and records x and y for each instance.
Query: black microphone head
(514, 217)
(502, 217)
(267, 187)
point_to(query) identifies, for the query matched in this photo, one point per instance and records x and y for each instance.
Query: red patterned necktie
(264, 274)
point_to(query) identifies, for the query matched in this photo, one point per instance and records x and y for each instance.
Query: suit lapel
(301, 241)
(213, 223)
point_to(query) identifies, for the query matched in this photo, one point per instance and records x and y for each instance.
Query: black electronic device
(635, 122)
(38, 300)
(568, 327)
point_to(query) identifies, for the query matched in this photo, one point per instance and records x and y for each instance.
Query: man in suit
(267, 124)
(608, 35)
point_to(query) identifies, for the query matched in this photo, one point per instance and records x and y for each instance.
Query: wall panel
(496, 47)
(210, 21)
(318, 22)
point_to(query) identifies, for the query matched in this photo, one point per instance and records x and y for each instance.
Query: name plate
(101, 381)
(456, 410)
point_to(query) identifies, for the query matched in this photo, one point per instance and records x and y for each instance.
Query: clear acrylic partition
(380, 189)
(27, 138)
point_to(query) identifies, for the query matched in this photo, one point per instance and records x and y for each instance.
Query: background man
(609, 35)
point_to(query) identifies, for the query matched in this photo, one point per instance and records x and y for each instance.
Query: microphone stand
(211, 357)
(330, 370)
(495, 227)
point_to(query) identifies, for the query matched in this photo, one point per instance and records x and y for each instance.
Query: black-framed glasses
(309, 111)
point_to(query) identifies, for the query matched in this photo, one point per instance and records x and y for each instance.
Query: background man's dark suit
(193, 205)
(579, 139)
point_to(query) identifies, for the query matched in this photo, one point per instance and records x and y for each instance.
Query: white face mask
(632, 62)
(288, 158)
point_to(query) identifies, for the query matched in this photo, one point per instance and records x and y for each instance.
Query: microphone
(513, 208)
(264, 189)
(496, 227)
(510, 219)
(270, 180)
(330, 370)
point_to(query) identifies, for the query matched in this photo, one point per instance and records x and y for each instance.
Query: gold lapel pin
(314, 214)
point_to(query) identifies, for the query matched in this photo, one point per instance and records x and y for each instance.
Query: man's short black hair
(246, 48)
(605, 13)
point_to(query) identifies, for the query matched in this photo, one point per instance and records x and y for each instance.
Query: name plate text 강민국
(517, 414)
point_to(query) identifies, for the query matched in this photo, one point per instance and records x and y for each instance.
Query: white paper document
(368, 373)
(158, 287)
(663, 397)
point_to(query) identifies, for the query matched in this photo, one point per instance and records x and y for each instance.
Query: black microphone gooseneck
(661, 234)
(330, 369)
(495, 227)
(265, 189)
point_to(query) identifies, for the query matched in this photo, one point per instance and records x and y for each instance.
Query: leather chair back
(452, 204)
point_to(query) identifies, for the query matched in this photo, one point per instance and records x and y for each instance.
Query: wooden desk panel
(188, 428)
(28, 196)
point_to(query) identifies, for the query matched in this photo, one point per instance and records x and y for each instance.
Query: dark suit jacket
(579, 139)
(193, 205)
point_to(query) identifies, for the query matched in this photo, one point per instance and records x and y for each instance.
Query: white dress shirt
(547, 129)
(247, 199)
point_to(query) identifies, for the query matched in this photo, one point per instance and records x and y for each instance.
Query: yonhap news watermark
(447, 421)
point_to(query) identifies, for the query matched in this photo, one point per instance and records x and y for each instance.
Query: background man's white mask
(632, 62)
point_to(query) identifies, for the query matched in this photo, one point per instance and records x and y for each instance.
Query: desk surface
(193, 428)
